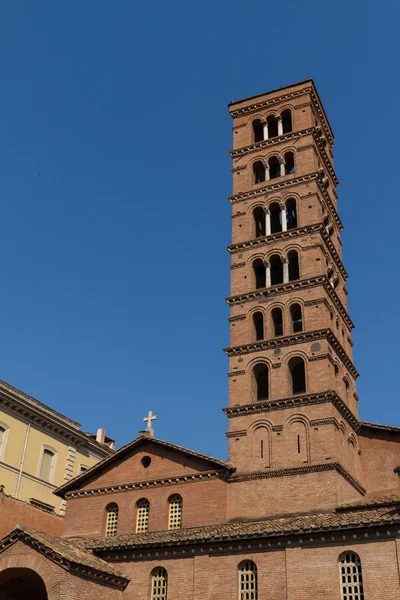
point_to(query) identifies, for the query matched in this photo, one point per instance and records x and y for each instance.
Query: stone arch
(31, 560)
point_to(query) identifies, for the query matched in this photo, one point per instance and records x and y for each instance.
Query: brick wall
(15, 512)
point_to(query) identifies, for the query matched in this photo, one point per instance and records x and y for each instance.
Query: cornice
(145, 485)
(237, 318)
(287, 137)
(275, 185)
(239, 433)
(259, 106)
(291, 286)
(256, 243)
(261, 406)
(301, 470)
(235, 373)
(304, 337)
(50, 423)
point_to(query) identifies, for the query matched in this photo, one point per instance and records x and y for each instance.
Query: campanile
(292, 381)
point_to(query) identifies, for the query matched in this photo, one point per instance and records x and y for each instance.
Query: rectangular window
(46, 466)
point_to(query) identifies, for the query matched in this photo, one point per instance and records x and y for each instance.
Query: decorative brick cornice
(275, 185)
(321, 357)
(291, 286)
(301, 470)
(261, 406)
(322, 422)
(237, 265)
(238, 168)
(145, 485)
(238, 214)
(293, 136)
(318, 301)
(303, 337)
(237, 318)
(235, 373)
(234, 434)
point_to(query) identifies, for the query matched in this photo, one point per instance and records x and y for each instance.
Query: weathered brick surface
(15, 512)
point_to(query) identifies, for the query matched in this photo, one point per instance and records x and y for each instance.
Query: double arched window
(275, 217)
(261, 378)
(350, 572)
(248, 584)
(111, 520)
(159, 584)
(272, 126)
(275, 166)
(142, 515)
(277, 325)
(175, 512)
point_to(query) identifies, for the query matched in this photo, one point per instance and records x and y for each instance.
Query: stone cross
(150, 417)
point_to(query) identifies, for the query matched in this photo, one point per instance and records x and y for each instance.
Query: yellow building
(40, 449)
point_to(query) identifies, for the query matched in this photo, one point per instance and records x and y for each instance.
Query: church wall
(380, 456)
(16, 512)
(204, 503)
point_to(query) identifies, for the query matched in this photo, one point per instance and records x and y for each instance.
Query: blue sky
(114, 178)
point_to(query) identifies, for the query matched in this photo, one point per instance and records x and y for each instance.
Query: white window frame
(156, 575)
(142, 515)
(354, 568)
(5, 439)
(53, 463)
(173, 523)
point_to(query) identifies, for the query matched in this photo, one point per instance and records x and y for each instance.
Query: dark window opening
(289, 163)
(298, 444)
(259, 221)
(287, 121)
(259, 172)
(272, 127)
(274, 167)
(259, 273)
(258, 131)
(277, 320)
(258, 322)
(297, 321)
(275, 212)
(291, 213)
(298, 375)
(294, 271)
(262, 449)
(276, 269)
(261, 379)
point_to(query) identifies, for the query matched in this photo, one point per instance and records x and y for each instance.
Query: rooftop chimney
(101, 435)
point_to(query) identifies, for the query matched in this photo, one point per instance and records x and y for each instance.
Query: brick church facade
(308, 505)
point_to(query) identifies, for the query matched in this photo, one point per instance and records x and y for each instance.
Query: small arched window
(351, 582)
(287, 121)
(259, 172)
(258, 324)
(261, 380)
(47, 465)
(274, 167)
(159, 584)
(277, 320)
(297, 320)
(276, 269)
(289, 163)
(291, 213)
(275, 212)
(272, 126)
(259, 273)
(258, 130)
(248, 588)
(259, 222)
(111, 520)
(298, 375)
(294, 271)
(142, 515)
(175, 512)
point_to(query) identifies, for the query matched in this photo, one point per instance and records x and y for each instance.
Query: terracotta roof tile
(267, 528)
(391, 499)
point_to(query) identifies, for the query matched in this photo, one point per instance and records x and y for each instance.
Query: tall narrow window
(259, 221)
(258, 323)
(111, 519)
(351, 582)
(287, 121)
(272, 126)
(258, 131)
(276, 269)
(46, 467)
(294, 271)
(142, 515)
(259, 273)
(276, 223)
(274, 167)
(289, 163)
(298, 375)
(159, 584)
(291, 213)
(260, 373)
(248, 580)
(259, 172)
(297, 320)
(277, 321)
(175, 512)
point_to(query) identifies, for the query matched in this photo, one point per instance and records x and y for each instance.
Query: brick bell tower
(292, 393)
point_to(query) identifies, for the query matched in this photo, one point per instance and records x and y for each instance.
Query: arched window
(275, 212)
(291, 213)
(259, 172)
(261, 378)
(351, 582)
(287, 121)
(47, 465)
(277, 321)
(259, 273)
(258, 323)
(175, 512)
(298, 375)
(159, 584)
(294, 271)
(259, 221)
(248, 580)
(258, 131)
(298, 442)
(272, 126)
(142, 515)
(297, 320)
(289, 163)
(276, 269)
(260, 444)
(111, 520)
(274, 167)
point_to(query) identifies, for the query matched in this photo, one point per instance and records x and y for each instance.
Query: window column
(282, 166)
(267, 221)
(267, 274)
(283, 216)
(285, 270)
(280, 125)
(265, 129)
(267, 175)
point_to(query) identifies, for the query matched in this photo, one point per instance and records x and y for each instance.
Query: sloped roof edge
(221, 464)
(369, 425)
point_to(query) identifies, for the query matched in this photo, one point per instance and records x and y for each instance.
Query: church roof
(276, 527)
(69, 554)
(390, 428)
(144, 438)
